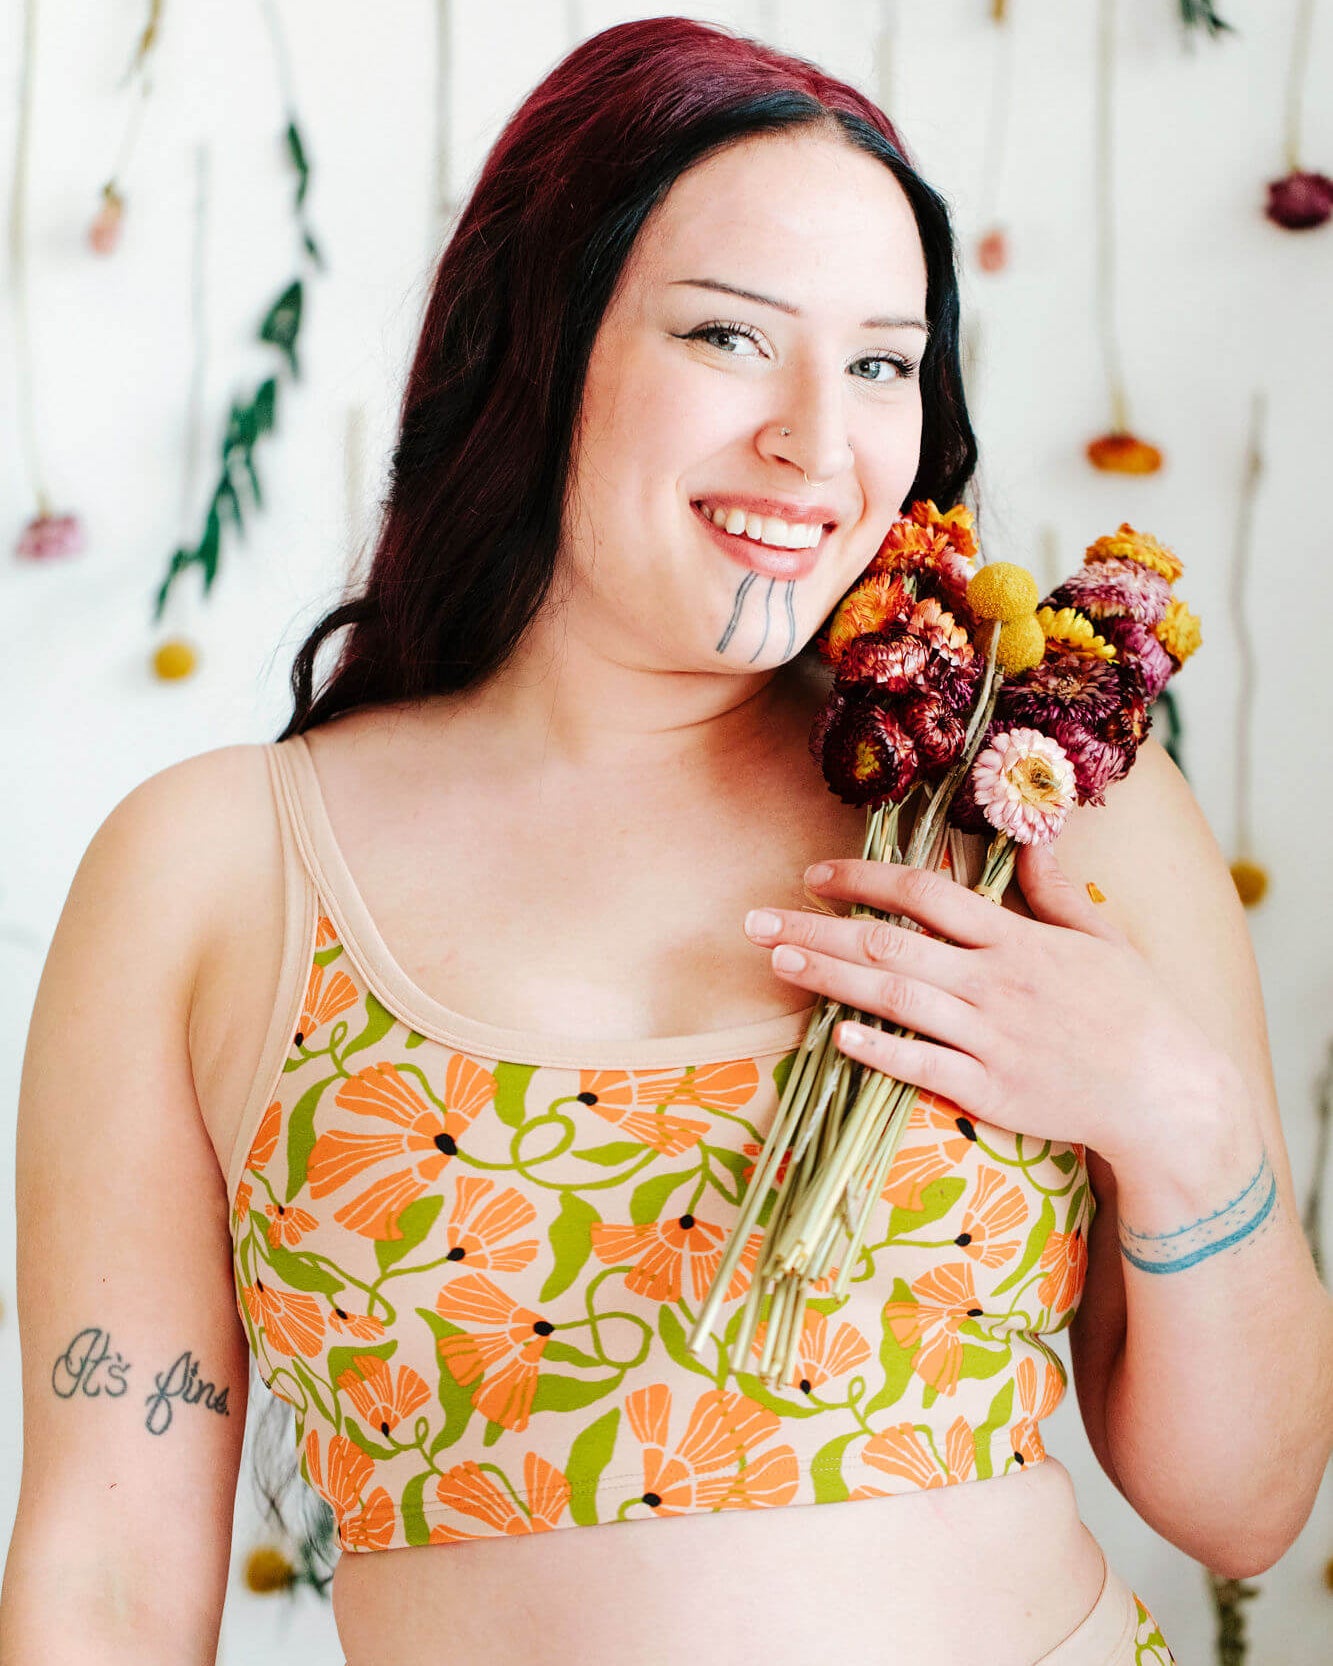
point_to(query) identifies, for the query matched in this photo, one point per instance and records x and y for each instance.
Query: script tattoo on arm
(1172, 1252)
(91, 1367)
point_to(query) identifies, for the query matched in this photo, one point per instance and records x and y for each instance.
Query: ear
(1053, 897)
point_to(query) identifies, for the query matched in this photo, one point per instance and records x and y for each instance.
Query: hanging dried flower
(268, 1569)
(50, 535)
(1300, 201)
(174, 659)
(993, 250)
(104, 233)
(1024, 784)
(1251, 882)
(1122, 453)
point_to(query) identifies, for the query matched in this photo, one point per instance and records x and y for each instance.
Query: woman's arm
(1206, 1383)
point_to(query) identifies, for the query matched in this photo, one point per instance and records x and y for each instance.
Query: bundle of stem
(838, 1121)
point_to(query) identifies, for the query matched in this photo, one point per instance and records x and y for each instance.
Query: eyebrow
(794, 311)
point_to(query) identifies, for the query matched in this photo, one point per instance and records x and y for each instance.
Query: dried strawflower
(868, 757)
(1129, 545)
(1141, 644)
(104, 233)
(1115, 589)
(875, 600)
(1179, 631)
(957, 526)
(1121, 453)
(1024, 784)
(1064, 685)
(1096, 762)
(1300, 201)
(1072, 630)
(935, 730)
(49, 535)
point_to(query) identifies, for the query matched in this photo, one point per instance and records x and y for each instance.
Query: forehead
(809, 215)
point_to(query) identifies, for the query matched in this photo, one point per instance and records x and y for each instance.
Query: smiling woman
(448, 1123)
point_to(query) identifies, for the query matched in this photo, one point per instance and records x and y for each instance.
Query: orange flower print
(365, 1525)
(903, 1451)
(327, 995)
(661, 1250)
(291, 1321)
(287, 1223)
(324, 932)
(241, 1207)
(468, 1489)
(266, 1138)
(1064, 1259)
(754, 1150)
(381, 1396)
(729, 1086)
(993, 1209)
(477, 1240)
(1025, 1436)
(502, 1345)
(945, 1297)
(423, 1135)
(948, 1134)
(822, 1353)
(716, 1465)
(613, 1094)
(364, 1327)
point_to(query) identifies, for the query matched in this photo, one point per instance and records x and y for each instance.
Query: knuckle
(918, 886)
(898, 997)
(882, 942)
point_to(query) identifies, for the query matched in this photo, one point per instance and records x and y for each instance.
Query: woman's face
(751, 416)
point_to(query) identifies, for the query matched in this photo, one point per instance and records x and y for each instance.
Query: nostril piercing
(784, 432)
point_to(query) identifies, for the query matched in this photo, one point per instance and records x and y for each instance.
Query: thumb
(1052, 895)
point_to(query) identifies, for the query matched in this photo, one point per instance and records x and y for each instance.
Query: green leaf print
(936, 1201)
(379, 1021)
(782, 1069)
(673, 1334)
(895, 1360)
(413, 1515)
(735, 1162)
(1065, 1161)
(414, 1038)
(571, 1244)
(1035, 1244)
(414, 1223)
(826, 1470)
(358, 1436)
(565, 1353)
(608, 1156)
(1001, 1408)
(588, 1457)
(510, 1103)
(763, 1396)
(649, 1198)
(301, 1135)
(455, 1397)
(982, 1362)
(557, 1393)
(298, 1272)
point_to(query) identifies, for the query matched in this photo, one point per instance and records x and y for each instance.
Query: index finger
(932, 899)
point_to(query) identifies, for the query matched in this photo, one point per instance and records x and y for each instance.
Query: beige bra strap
(300, 911)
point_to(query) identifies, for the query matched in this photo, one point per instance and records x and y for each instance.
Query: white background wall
(1214, 303)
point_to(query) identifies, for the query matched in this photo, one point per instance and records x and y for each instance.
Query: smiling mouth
(769, 532)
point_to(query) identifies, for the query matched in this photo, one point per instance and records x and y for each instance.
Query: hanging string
(18, 263)
(885, 64)
(997, 119)
(1312, 1218)
(443, 207)
(140, 69)
(1296, 68)
(1105, 261)
(1246, 663)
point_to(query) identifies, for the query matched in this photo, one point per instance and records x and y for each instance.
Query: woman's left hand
(1054, 1027)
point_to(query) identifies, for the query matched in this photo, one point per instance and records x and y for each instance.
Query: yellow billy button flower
(1073, 630)
(1002, 590)
(268, 1569)
(1022, 645)
(1179, 631)
(1128, 545)
(1251, 882)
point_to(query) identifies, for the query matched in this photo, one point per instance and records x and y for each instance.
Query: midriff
(496, 922)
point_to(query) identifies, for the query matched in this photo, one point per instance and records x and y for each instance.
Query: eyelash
(906, 367)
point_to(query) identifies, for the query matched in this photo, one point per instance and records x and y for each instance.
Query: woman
(457, 973)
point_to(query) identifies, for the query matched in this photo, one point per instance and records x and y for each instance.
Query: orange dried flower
(875, 601)
(1128, 545)
(1120, 453)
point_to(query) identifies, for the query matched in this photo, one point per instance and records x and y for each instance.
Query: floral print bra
(469, 1257)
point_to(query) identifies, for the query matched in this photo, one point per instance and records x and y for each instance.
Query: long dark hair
(467, 544)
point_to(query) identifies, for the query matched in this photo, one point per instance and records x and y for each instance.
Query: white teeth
(766, 529)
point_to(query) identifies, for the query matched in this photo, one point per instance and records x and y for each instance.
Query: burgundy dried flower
(1141, 644)
(1065, 686)
(1115, 589)
(833, 707)
(1097, 763)
(1300, 201)
(868, 758)
(935, 730)
(892, 660)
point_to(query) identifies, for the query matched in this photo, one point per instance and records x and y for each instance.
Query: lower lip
(763, 558)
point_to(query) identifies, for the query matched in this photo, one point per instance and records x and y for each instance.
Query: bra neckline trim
(361, 938)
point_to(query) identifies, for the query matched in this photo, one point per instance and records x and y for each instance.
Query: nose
(809, 427)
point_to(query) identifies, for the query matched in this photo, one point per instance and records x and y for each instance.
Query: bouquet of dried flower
(961, 698)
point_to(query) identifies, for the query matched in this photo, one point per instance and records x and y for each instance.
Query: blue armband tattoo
(1172, 1252)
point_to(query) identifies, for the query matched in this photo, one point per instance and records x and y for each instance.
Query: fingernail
(819, 874)
(760, 923)
(787, 959)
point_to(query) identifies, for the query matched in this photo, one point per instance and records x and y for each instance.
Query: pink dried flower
(50, 535)
(1024, 784)
(1141, 644)
(104, 233)
(934, 728)
(1300, 201)
(1116, 589)
(893, 659)
(1064, 685)
(1097, 762)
